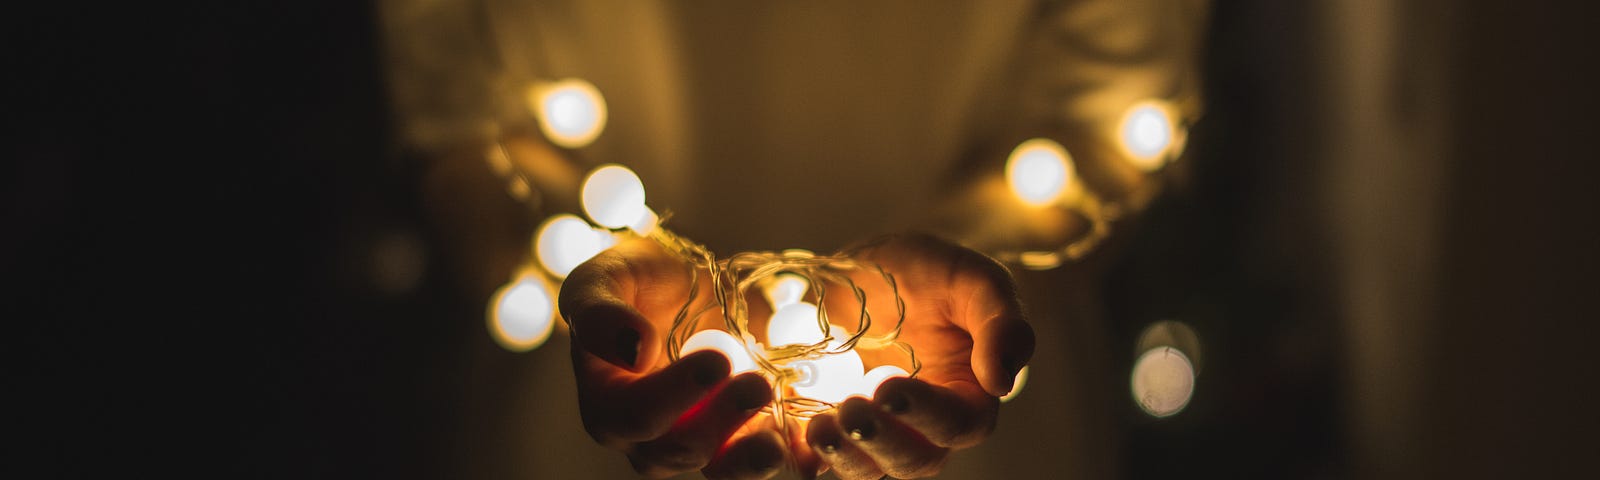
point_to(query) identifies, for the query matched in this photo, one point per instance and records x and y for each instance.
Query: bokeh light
(1163, 381)
(1038, 171)
(571, 112)
(1147, 135)
(522, 313)
(566, 241)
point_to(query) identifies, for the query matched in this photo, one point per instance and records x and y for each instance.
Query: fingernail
(628, 346)
(753, 399)
(709, 373)
(764, 464)
(894, 402)
(1012, 363)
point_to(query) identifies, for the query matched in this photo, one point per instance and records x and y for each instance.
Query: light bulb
(1038, 170)
(1146, 135)
(795, 323)
(875, 377)
(1163, 381)
(613, 197)
(566, 241)
(571, 112)
(1016, 384)
(830, 378)
(785, 289)
(724, 342)
(522, 313)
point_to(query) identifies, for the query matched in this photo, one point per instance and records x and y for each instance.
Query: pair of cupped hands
(962, 317)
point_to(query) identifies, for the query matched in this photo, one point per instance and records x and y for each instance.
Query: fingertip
(615, 333)
(1006, 347)
(705, 368)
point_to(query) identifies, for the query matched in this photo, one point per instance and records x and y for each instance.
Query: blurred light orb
(566, 241)
(1038, 171)
(1017, 384)
(1163, 381)
(571, 112)
(724, 342)
(613, 196)
(522, 313)
(1147, 134)
(875, 378)
(830, 378)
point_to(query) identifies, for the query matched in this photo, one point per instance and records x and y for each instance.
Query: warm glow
(1038, 171)
(613, 197)
(522, 313)
(1016, 384)
(830, 378)
(1163, 381)
(785, 289)
(795, 323)
(718, 340)
(566, 241)
(1147, 135)
(571, 112)
(875, 378)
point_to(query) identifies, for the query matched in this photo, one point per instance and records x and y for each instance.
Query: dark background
(189, 191)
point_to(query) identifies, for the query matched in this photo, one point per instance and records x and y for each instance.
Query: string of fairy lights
(813, 361)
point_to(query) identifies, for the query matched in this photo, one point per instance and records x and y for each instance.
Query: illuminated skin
(675, 417)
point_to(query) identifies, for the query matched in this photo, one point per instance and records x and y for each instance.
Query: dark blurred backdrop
(1387, 245)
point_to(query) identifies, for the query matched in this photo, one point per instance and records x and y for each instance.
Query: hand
(964, 320)
(668, 418)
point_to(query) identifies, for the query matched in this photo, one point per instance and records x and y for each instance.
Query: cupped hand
(667, 417)
(966, 325)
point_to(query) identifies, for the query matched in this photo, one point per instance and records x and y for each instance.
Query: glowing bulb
(724, 342)
(831, 378)
(613, 197)
(1038, 171)
(795, 323)
(1016, 384)
(786, 289)
(522, 313)
(1163, 381)
(875, 377)
(1146, 135)
(571, 112)
(566, 241)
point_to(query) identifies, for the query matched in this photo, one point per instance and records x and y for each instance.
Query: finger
(751, 457)
(955, 415)
(697, 435)
(805, 460)
(597, 300)
(624, 410)
(829, 443)
(1002, 341)
(897, 449)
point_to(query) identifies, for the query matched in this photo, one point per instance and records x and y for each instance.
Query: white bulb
(1016, 384)
(795, 323)
(786, 289)
(613, 197)
(566, 241)
(1038, 171)
(1163, 381)
(724, 342)
(522, 313)
(571, 112)
(1146, 134)
(874, 378)
(831, 378)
